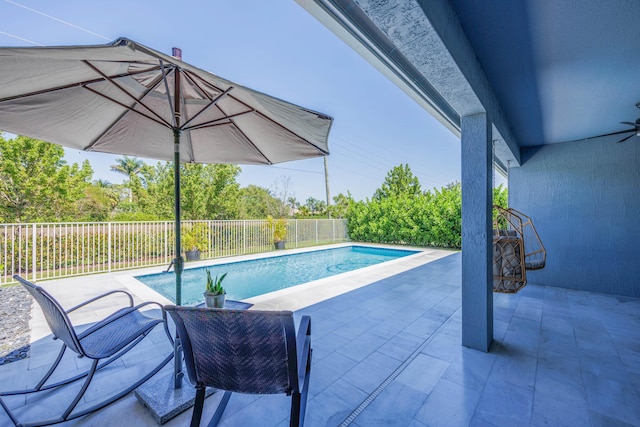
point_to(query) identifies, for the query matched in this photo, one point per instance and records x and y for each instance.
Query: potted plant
(214, 294)
(279, 231)
(192, 242)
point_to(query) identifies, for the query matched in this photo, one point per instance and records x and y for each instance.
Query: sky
(275, 47)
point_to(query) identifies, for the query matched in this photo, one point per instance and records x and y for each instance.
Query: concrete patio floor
(389, 353)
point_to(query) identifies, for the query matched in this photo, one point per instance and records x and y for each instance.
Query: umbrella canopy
(125, 98)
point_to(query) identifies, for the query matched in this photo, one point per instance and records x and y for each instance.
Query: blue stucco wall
(584, 199)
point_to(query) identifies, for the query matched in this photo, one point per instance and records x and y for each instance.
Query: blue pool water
(247, 279)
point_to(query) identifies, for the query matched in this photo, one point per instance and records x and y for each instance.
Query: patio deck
(389, 354)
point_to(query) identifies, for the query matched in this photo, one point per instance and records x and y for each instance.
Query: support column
(477, 286)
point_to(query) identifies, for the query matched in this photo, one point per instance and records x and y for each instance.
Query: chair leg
(44, 379)
(198, 406)
(41, 384)
(302, 397)
(73, 404)
(294, 419)
(52, 369)
(68, 414)
(221, 407)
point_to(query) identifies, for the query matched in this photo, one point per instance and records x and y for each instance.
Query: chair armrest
(304, 330)
(303, 344)
(100, 297)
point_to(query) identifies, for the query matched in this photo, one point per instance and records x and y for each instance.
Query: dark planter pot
(214, 301)
(192, 255)
(279, 245)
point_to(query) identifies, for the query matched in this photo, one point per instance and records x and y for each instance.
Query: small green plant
(193, 239)
(278, 228)
(214, 286)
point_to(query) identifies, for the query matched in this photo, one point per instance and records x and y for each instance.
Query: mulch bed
(15, 313)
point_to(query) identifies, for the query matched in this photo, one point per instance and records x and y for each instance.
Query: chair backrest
(534, 253)
(509, 221)
(55, 315)
(247, 351)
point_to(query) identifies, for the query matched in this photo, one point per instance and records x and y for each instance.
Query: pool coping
(309, 293)
(301, 296)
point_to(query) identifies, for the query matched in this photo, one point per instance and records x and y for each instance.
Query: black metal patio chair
(102, 342)
(245, 351)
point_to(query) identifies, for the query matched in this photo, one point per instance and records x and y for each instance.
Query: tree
(155, 194)
(400, 181)
(36, 184)
(501, 196)
(207, 191)
(340, 205)
(282, 191)
(313, 205)
(304, 211)
(321, 208)
(102, 183)
(257, 203)
(130, 167)
(293, 203)
(223, 191)
(108, 190)
(97, 204)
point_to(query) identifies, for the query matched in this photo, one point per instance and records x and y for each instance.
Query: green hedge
(429, 219)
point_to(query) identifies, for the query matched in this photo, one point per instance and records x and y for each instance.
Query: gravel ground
(15, 313)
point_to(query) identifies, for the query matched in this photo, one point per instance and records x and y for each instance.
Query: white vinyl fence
(52, 250)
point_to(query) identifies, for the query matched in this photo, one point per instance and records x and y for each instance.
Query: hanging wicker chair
(516, 248)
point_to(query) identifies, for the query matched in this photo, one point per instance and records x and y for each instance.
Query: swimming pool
(246, 279)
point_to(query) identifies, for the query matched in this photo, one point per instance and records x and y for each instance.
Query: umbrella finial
(176, 52)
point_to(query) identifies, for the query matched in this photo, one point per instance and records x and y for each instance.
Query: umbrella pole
(178, 262)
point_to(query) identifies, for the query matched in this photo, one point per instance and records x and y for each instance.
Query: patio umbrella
(125, 98)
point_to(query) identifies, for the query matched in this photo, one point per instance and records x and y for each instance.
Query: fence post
(296, 223)
(244, 236)
(316, 231)
(33, 254)
(166, 243)
(109, 247)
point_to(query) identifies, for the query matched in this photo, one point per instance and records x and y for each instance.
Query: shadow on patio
(389, 354)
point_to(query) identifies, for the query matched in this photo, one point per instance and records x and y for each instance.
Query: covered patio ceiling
(548, 72)
(561, 71)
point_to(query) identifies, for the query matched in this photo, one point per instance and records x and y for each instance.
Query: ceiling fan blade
(628, 123)
(624, 139)
(609, 134)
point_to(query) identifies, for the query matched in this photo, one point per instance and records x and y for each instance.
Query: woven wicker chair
(245, 351)
(516, 248)
(103, 343)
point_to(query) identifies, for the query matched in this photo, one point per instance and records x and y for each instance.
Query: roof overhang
(425, 52)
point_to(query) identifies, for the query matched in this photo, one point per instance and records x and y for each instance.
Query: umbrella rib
(193, 77)
(218, 122)
(211, 104)
(139, 101)
(326, 153)
(168, 92)
(128, 108)
(252, 144)
(71, 85)
(265, 117)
